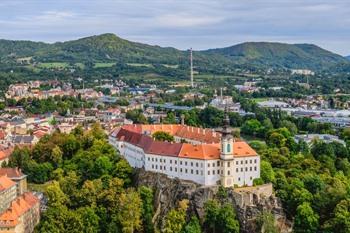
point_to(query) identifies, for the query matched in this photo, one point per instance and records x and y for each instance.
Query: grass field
(139, 64)
(53, 65)
(257, 100)
(104, 64)
(38, 187)
(80, 65)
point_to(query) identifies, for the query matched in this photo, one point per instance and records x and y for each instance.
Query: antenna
(191, 64)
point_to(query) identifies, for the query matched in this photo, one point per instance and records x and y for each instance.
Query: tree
(227, 219)
(266, 172)
(341, 220)
(129, 213)
(193, 226)
(176, 218)
(266, 223)
(55, 195)
(306, 220)
(163, 136)
(211, 209)
(251, 127)
(146, 195)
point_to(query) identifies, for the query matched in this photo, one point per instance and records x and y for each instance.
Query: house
(19, 209)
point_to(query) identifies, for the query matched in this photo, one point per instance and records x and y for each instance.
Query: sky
(181, 23)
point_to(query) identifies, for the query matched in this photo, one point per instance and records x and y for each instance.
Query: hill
(111, 48)
(268, 54)
(348, 57)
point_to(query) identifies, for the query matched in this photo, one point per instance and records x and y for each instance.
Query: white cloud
(186, 20)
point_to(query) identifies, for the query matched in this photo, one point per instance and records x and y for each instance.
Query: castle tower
(226, 156)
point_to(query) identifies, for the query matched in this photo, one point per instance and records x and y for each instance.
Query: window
(218, 163)
(197, 172)
(175, 161)
(228, 164)
(208, 164)
(254, 168)
(254, 160)
(196, 164)
(250, 161)
(180, 169)
(152, 166)
(201, 173)
(186, 171)
(239, 178)
(186, 163)
(180, 162)
(175, 169)
(148, 159)
(228, 148)
(171, 169)
(246, 169)
(228, 172)
(208, 173)
(213, 164)
(152, 159)
(160, 167)
(156, 160)
(250, 169)
(241, 161)
(218, 172)
(236, 162)
(246, 162)
(251, 178)
(241, 169)
(171, 161)
(156, 166)
(213, 172)
(236, 169)
(191, 164)
(191, 171)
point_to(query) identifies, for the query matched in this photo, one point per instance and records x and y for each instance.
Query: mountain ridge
(109, 47)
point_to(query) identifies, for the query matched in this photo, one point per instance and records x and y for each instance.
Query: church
(200, 155)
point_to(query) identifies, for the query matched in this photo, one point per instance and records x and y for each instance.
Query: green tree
(175, 220)
(193, 226)
(266, 172)
(146, 195)
(163, 136)
(306, 220)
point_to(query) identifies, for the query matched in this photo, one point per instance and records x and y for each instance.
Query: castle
(200, 155)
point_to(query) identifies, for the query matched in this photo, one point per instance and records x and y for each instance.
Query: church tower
(226, 155)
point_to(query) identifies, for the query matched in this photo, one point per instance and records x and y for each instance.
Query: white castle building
(200, 155)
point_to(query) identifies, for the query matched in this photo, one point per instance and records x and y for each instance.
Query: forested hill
(110, 48)
(348, 57)
(280, 55)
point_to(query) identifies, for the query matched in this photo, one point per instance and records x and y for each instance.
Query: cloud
(186, 20)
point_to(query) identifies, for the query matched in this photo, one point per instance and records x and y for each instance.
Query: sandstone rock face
(248, 202)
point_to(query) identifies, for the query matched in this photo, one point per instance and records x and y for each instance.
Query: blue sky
(182, 23)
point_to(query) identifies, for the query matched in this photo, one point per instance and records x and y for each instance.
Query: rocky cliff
(249, 202)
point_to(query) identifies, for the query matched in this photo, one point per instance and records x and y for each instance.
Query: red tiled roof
(5, 153)
(5, 183)
(11, 172)
(139, 135)
(202, 151)
(18, 207)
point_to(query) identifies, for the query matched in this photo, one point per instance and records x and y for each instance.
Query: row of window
(246, 162)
